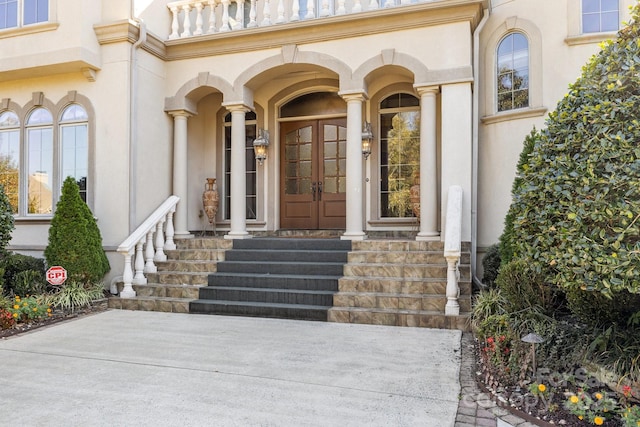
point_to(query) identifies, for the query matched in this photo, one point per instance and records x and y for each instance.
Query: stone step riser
(204, 243)
(334, 269)
(403, 258)
(404, 271)
(403, 246)
(399, 286)
(428, 320)
(278, 282)
(164, 291)
(291, 312)
(188, 266)
(195, 255)
(398, 302)
(166, 305)
(172, 278)
(286, 256)
(269, 296)
(274, 244)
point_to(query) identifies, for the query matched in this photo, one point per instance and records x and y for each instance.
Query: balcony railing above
(201, 17)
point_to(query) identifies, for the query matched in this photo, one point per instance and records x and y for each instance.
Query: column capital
(354, 95)
(236, 106)
(426, 90)
(180, 113)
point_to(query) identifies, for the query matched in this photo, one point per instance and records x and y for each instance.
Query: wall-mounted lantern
(260, 145)
(367, 140)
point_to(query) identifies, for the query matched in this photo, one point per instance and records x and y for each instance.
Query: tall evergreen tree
(75, 242)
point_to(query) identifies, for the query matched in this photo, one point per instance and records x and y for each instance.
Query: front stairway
(381, 281)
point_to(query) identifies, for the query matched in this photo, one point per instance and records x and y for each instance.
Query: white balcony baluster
(341, 10)
(239, 24)
(311, 9)
(280, 19)
(373, 5)
(388, 3)
(212, 17)
(325, 9)
(266, 12)
(160, 255)
(186, 23)
(225, 16)
(198, 31)
(139, 278)
(149, 266)
(295, 11)
(357, 7)
(252, 15)
(127, 277)
(175, 26)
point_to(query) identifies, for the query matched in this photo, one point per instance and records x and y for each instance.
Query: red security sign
(56, 275)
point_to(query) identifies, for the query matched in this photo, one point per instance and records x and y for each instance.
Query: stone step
(204, 243)
(178, 278)
(398, 301)
(260, 309)
(399, 285)
(187, 266)
(417, 271)
(157, 290)
(195, 255)
(378, 257)
(169, 305)
(279, 296)
(392, 317)
(275, 281)
(273, 244)
(301, 255)
(296, 267)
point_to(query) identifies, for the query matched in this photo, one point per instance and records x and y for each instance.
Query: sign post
(56, 275)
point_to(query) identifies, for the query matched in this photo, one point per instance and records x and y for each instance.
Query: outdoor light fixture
(533, 339)
(260, 145)
(367, 140)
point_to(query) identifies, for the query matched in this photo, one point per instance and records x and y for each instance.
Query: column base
(238, 235)
(353, 236)
(127, 292)
(428, 235)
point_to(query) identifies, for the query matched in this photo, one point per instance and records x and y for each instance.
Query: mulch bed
(56, 317)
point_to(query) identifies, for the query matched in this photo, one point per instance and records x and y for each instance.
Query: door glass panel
(305, 186)
(305, 169)
(305, 134)
(330, 150)
(291, 186)
(330, 168)
(305, 151)
(330, 185)
(291, 153)
(342, 187)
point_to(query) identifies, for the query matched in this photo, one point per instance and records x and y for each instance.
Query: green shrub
(29, 282)
(578, 208)
(524, 288)
(6, 220)
(75, 242)
(13, 264)
(491, 265)
(595, 309)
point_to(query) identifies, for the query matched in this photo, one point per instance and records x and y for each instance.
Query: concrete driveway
(134, 368)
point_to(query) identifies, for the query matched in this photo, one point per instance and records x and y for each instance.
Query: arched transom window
(513, 72)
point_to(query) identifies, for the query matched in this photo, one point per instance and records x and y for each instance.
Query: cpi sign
(56, 275)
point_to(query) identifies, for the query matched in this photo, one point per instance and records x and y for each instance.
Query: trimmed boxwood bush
(491, 265)
(74, 238)
(577, 211)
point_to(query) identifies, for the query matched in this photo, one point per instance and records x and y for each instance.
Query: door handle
(313, 190)
(319, 190)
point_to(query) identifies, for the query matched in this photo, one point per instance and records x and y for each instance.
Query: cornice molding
(127, 31)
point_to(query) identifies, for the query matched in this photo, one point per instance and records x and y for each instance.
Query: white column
(180, 169)
(428, 164)
(238, 174)
(354, 168)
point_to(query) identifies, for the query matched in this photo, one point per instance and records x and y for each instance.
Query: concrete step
(260, 309)
(374, 300)
(166, 304)
(195, 255)
(275, 281)
(434, 286)
(165, 291)
(178, 278)
(413, 257)
(295, 268)
(418, 271)
(279, 296)
(306, 255)
(187, 266)
(274, 244)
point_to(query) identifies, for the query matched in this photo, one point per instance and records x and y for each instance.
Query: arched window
(39, 161)
(250, 162)
(512, 70)
(10, 157)
(399, 153)
(74, 146)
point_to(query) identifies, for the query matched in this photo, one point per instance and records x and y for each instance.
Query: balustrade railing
(199, 17)
(452, 249)
(141, 250)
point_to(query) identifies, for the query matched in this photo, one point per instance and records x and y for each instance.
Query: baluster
(252, 15)
(169, 244)
(280, 19)
(341, 10)
(127, 277)
(212, 16)
(325, 9)
(373, 5)
(311, 9)
(239, 24)
(225, 16)
(388, 3)
(186, 24)
(452, 308)
(266, 12)
(295, 11)
(357, 7)
(149, 251)
(159, 256)
(139, 278)
(199, 7)
(175, 27)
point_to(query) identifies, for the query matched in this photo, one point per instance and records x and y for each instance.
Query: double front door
(313, 174)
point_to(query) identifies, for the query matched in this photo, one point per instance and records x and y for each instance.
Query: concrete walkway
(126, 368)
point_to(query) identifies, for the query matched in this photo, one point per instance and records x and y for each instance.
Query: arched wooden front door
(313, 174)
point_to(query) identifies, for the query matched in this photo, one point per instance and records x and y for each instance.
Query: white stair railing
(452, 249)
(139, 250)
